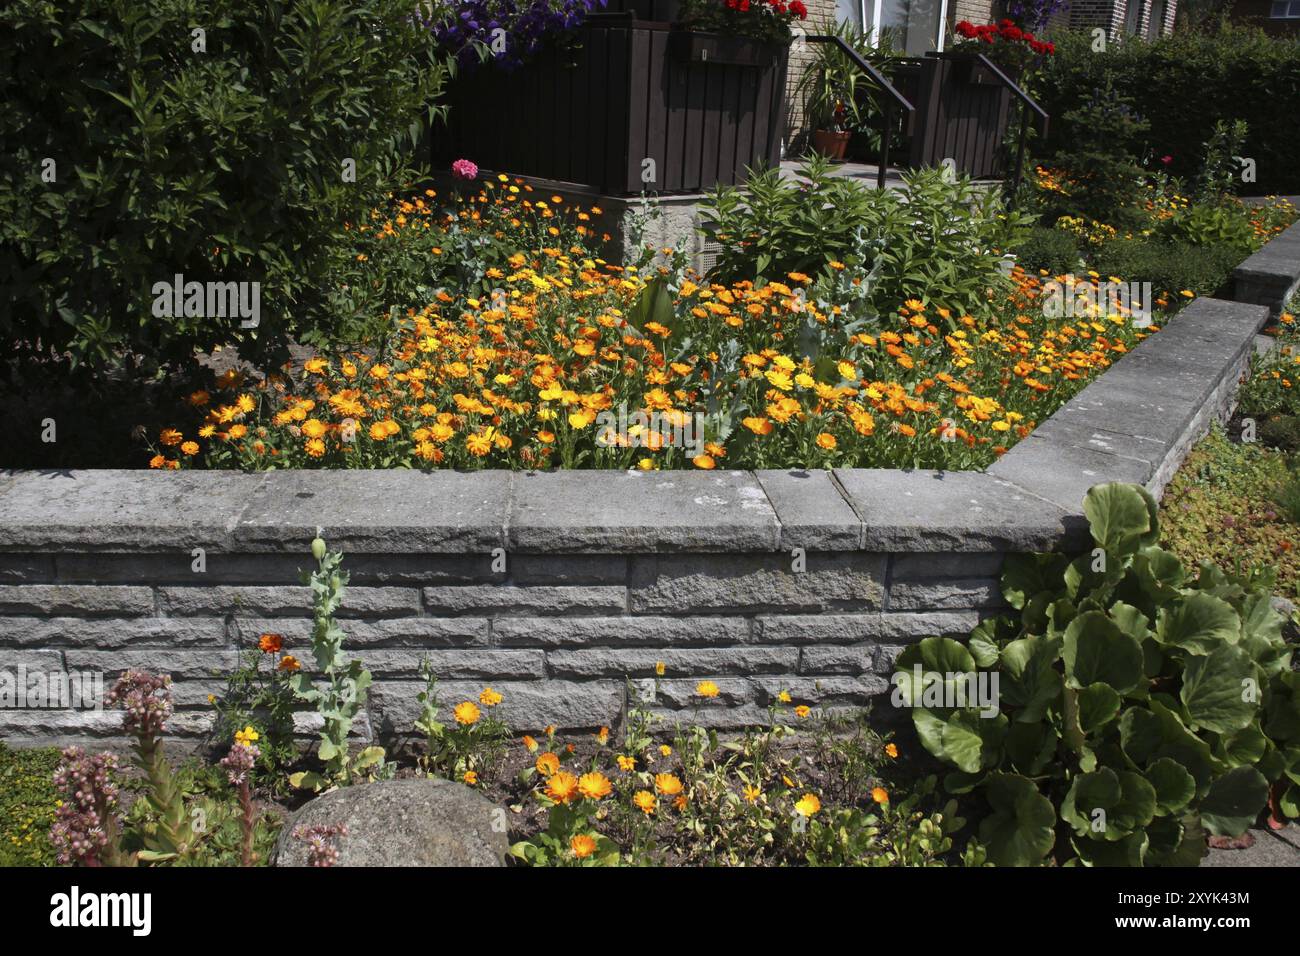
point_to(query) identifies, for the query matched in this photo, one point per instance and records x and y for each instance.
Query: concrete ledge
(1272, 275)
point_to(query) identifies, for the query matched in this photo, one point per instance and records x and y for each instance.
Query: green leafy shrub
(935, 240)
(1131, 699)
(220, 157)
(1213, 225)
(1053, 251)
(1171, 268)
(1279, 431)
(1233, 73)
(27, 801)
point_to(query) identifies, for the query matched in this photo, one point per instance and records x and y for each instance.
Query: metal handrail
(1027, 104)
(895, 97)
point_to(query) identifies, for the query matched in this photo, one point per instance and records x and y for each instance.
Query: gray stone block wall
(564, 591)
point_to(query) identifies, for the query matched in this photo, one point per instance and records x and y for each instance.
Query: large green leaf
(1025, 575)
(1122, 517)
(1098, 705)
(1214, 691)
(1234, 800)
(1021, 829)
(1030, 680)
(1096, 650)
(1174, 786)
(1198, 623)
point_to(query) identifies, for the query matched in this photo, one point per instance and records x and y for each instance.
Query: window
(1285, 10)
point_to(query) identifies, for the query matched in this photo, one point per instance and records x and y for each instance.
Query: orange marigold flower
(880, 795)
(466, 713)
(289, 663)
(270, 643)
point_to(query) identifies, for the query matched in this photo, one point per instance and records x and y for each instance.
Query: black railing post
(883, 172)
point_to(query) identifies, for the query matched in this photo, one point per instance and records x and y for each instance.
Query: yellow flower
(706, 688)
(246, 737)
(594, 786)
(466, 713)
(489, 697)
(803, 710)
(471, 777)
(582, 845)
(530, 743)
(547, 764)
(891, 750)
(880, 795)
(626, 764)
(826, 441)
(602, 736)
(751, 794)
(660, 668)
(665, 750)
(784, 697)
(808, 805)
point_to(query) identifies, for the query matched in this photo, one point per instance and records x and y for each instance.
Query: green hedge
(221, 163)
(1183, 85)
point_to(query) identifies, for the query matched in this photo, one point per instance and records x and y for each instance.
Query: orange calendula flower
(470, 777)
(645, 801)
(803, 710)
(880, 795)
(289, 663)
(582, 845)
(706, 688)
(489, 698)
(626, 764)
(668, 784)
(807, 805)
(530, 744)
(270, 643)
(547, 764)
(891, 750)
(594, 786)
(466, 713)
(562, 786)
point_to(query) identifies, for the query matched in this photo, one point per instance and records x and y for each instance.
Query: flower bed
(555, 358)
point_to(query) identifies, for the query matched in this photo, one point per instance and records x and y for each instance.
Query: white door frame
(875, 21)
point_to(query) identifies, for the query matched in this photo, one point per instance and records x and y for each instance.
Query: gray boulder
(416, 822)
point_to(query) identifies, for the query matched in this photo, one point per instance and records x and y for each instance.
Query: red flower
(799, 10)
(966, 29)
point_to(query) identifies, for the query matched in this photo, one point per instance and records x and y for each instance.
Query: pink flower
(464, 169)
(1166, 160)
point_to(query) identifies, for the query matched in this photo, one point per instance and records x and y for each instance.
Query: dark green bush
(1279, 431)
(1182, 85)
(1053, 250)
(221, 164)
(1170, 267)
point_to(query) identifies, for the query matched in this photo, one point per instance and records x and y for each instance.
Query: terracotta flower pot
(830, 145)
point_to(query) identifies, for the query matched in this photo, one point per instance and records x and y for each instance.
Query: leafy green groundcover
(1141, 707)
(27, 803)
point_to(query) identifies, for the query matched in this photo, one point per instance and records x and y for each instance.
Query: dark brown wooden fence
(595, 114)
(961, 114)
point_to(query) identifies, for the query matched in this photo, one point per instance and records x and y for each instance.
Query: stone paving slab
(906, 510)
(122, 510)
(812, 511)
(387, 511)
(638, 512)
(1272, 275)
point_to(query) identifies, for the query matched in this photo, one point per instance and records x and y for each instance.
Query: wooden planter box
(962, 112)
(689, 46)
(595, 116)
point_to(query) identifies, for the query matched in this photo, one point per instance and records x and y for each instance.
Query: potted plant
(829, 88)
(1013, 50)
(738, 32)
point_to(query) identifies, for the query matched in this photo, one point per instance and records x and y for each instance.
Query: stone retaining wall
(564, 590)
